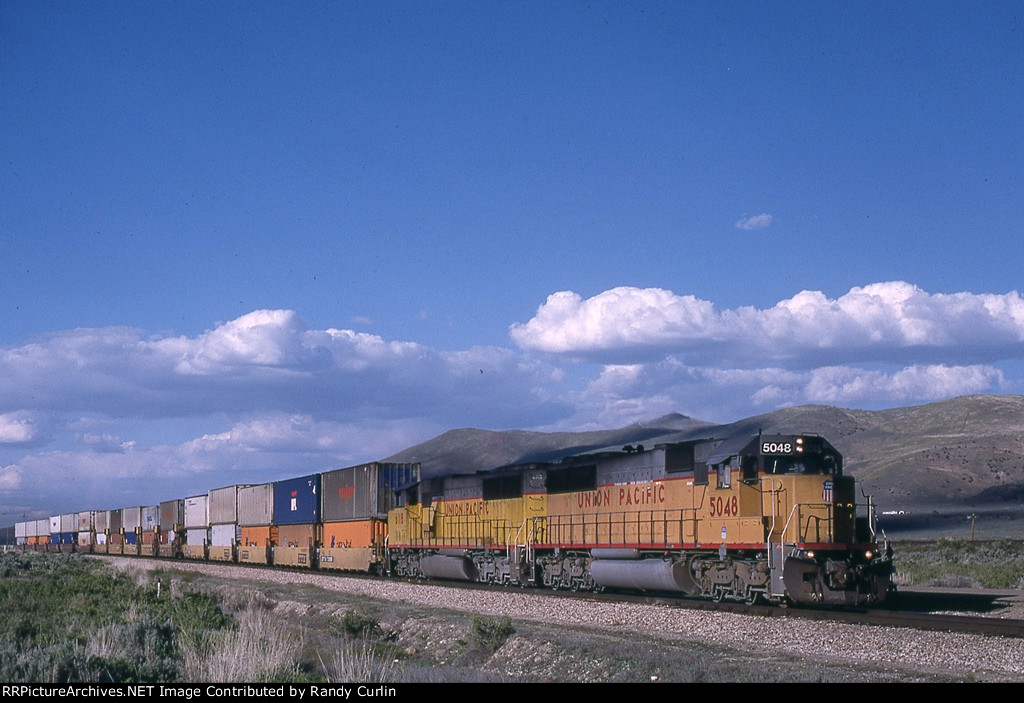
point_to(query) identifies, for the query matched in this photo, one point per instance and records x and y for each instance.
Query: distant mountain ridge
(964, 451)
(467, 450)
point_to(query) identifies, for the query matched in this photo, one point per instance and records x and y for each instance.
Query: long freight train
(770, 517)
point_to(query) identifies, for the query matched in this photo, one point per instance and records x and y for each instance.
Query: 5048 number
(727, 506)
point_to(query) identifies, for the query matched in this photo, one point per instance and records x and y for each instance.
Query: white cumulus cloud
(755, 222)
(879, 322)
(16, 428)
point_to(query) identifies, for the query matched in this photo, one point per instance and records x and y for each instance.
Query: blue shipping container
(297, 501)
(68, 537)
(130, 538)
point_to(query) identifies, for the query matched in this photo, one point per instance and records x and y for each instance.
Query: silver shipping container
(42, 527)
(223, 535)
(21, 529)
(350, 494)
(101, 520)
(69, 522)
(86, 520)
(224, 505)
(54, 524)
(197, 536)
(131, 518)
(196, 512)
(150, 517)
(172, 513)
(256, 505)
(364, 491)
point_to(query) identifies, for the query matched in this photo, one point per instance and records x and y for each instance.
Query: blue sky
(241, 242)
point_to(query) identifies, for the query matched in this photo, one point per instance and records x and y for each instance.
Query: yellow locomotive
(767, 517)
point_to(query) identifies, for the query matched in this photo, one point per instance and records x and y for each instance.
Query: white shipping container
(196, 536)
(42, 527)
(131, 518)
(21, 529)
(54, 524)
(196, 512)
(222, 535)
(69, 522)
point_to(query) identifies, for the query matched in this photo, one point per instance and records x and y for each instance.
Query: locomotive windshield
(825, 464)
(799, 455)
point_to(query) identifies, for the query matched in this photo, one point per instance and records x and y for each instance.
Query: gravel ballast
(958, 656)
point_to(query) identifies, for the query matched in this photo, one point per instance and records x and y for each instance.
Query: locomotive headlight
(869, 555)
(799, 444)
(810, 553)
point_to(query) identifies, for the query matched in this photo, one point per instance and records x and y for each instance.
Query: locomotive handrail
(773, 494)
(653, 526)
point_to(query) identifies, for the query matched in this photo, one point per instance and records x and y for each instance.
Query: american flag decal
(826, 492)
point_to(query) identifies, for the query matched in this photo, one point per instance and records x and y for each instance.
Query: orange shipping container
(260, 536)
(303, 536)
(358, 533)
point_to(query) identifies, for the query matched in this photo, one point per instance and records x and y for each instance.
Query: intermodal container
(197, 536)
(256, 505)
(150, 518)
(259, 535)
(131, 520)
(86, 521)
(350, 494)
(172, 518)
(223, 535)
(364, 491)
(297, 501)
(353, 533)
(296, 535)
(224, 505)
(197, 512)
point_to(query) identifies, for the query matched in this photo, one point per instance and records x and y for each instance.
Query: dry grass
(351, 661)
(258, 650)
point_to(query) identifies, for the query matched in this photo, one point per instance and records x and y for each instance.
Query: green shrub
(491, 634)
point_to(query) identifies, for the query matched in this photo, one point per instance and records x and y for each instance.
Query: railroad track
(914, 614)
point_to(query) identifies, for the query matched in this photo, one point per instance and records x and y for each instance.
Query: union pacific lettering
(467, 507)
(642, 495)
(593, 499)
(647, 494)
